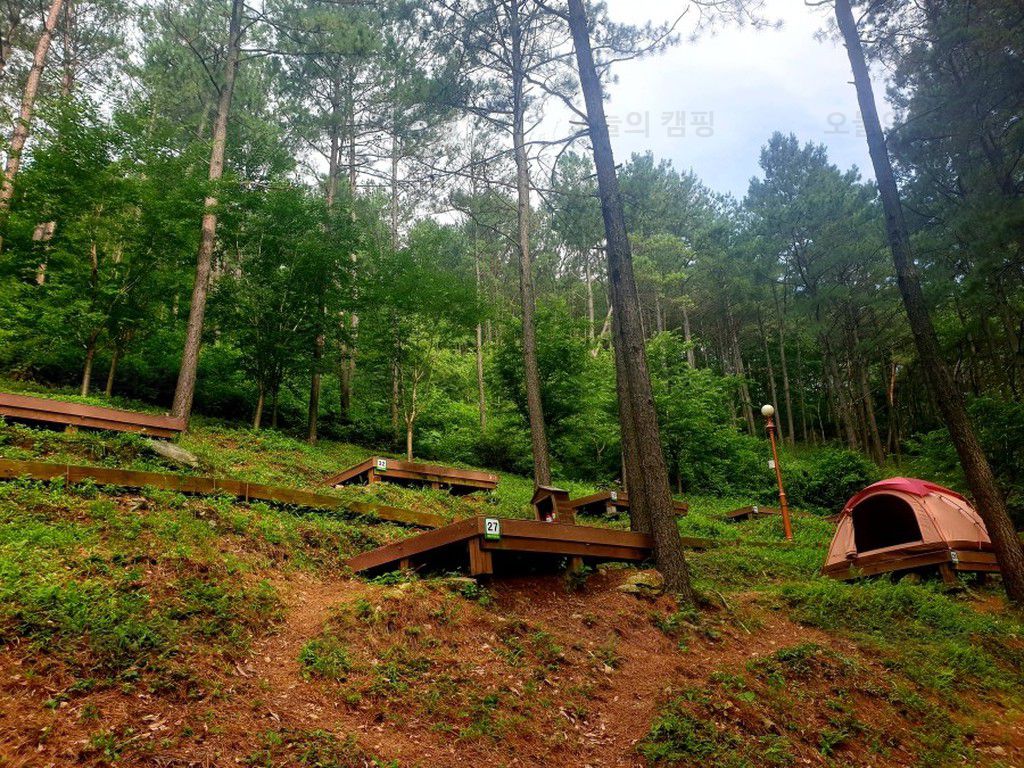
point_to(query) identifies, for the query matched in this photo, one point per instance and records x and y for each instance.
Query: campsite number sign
(492, 529)
(382, 465)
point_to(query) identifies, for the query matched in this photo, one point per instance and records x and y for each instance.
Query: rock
(643, 584)
(173, 453)
(649, 580)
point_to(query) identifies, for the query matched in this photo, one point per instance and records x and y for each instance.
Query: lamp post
(768, 412)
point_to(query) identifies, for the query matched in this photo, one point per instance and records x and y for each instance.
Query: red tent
(903, 523)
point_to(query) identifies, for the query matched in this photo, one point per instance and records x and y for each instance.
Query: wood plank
(535, 529)
(439, 478)
(596, 503)
(415, 472)
(439, 469)
(969, 561)
(452, 533)
(129, 478)
(80, 414)
(480, 561)
(351, 473)
(37, 470)
(578, 548)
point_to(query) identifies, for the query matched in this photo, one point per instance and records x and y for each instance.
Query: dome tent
(903, 523)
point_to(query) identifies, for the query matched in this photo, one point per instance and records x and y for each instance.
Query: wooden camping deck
(476, 541)
(50, 411)
(613, 503)
(746, 513)
(377, 468)
(961, 560)
(128, 478)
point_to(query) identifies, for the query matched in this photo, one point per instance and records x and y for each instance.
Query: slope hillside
(150, 628)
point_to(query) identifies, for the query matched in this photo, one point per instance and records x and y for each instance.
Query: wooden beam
(93, 416)
(428, 474)
(480, 560)
(524, 536)
(128, 478)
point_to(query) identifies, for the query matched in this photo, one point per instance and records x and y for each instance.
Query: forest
(394, 248)
(364, 404)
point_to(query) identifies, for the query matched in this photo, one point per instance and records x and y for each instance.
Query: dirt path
(614, 654)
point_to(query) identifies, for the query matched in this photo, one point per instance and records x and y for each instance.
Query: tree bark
(90, 355)
(313, 416)
(115, 358)
(257, 417)
(771, 373)
(23, 122)
(650, 495)
(13, 21)
(980, 478)
(741, 373)
(185, 390)
(786, 394)
(590, 297)
(691, 357)
(531, 368)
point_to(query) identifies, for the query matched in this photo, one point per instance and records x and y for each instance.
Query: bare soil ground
(534, 676)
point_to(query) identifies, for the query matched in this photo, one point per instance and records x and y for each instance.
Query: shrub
(325, 657)
(825, 479)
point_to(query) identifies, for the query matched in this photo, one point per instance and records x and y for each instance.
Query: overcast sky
(747, 84)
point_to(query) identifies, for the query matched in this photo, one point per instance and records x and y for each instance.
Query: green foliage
(826, 479)
(912, 623)
(325, 657)
(1001, 431)
(703, 449)
(313, 748)
(678, 738)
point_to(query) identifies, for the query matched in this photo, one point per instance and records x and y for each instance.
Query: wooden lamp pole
(768, 412)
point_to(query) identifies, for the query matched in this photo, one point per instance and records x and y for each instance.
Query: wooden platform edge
(415, 471)
(517, 535)
(48, 410)
(130, 478)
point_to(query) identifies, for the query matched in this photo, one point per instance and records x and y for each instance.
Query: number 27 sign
(492, 528)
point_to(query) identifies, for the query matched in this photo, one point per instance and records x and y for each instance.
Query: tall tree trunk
(67, 85)
(395, 394)
(741, 372)
(257, 417)
(780, 317)
(691, 358)
(843, 408)
(771, 373)
(315, 379)
(980, 478)
(23, 122)
(481, 392)
(590, 296)
(115, 358)
(650, 495)
(11, 24)
(531, 368)
(186, 387)
(90, 355)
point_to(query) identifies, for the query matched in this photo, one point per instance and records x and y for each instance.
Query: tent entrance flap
(884, 521)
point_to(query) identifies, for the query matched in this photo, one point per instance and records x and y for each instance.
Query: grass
(325, 657)
(314, 748)
(142, 589)
(933, 638)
